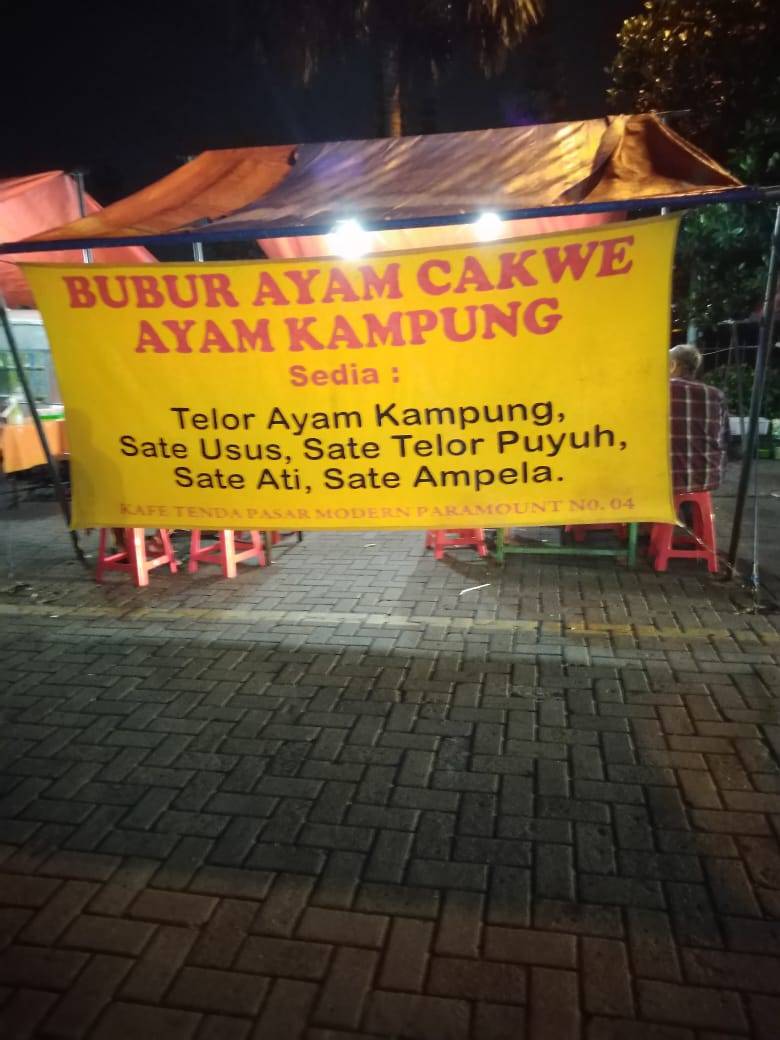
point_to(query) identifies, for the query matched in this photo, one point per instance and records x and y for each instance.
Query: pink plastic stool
(459, 538)
(664, 546)
(134, 557)
(580, 531)
(229, 549)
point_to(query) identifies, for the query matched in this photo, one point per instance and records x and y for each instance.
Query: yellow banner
(515, 383)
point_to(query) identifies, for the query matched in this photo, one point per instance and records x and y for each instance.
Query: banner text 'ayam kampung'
(520, 382)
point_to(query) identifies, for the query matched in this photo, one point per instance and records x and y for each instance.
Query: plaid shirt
(699, 435)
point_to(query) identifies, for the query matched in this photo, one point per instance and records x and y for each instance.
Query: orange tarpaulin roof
(37, 203)
(206, 188)
(397, 182)
(504, 170)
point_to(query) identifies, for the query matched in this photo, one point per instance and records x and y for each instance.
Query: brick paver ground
(338, 799)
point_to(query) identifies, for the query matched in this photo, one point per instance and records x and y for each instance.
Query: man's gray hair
(687, 357)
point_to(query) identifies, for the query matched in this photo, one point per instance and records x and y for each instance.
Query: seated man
(699, 425)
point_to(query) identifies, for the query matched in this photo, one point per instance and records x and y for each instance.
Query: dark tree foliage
(717, 61)
(410, 39)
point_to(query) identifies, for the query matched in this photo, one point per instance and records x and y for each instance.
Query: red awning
(37, 203)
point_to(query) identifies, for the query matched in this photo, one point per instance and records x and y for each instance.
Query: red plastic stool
(134, 557)
(580, 531)
(664, 547)
(229, 549)
(459, 538)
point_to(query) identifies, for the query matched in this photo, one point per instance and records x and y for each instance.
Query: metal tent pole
(197, 247)
(78, 177)
(764, 349)
(59, 490)
(735, 359)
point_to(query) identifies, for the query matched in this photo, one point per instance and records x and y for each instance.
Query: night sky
(125, 90)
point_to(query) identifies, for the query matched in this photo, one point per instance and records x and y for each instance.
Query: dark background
(125, 90)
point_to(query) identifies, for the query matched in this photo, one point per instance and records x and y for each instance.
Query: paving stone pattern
(335, 798)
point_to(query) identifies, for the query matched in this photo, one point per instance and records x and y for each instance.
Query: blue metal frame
(251, 230)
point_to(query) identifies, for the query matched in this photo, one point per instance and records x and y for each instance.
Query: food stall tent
(423, 190)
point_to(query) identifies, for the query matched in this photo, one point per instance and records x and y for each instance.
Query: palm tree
(402, 34)
(404, 31)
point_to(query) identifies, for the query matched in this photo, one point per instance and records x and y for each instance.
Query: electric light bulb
(349, 240)
(488, 226)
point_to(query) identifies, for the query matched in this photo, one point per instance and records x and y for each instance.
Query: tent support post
(197, 247)
(59, 490)
(78, 177)
(764, 349)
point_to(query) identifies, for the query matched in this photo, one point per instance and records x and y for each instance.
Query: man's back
(699, 435)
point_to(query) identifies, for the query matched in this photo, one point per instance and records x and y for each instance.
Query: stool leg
(257, 545)
(438, 544)
(228, 547)
(663, 546)
(713, 566)
(167, 545)
(135, 541)
(705, 531)
(193, 563)
(655, 536)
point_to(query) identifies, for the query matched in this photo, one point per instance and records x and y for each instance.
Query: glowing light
(488, 226)
(349, 240)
